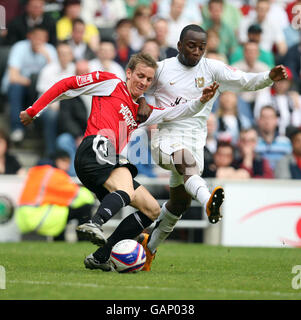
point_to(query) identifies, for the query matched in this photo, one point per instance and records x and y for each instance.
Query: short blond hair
(144, 58)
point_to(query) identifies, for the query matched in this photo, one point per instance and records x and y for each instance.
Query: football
(128, 256)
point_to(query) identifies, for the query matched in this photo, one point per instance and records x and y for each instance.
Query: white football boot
(92, 232)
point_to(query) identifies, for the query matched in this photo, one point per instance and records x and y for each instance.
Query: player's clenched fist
(209, 92)
(278, 73)
(25, 118)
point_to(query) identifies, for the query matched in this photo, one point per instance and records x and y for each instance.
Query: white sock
(164, 226)
(197, 188)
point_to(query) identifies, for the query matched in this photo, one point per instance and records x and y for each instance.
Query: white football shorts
(163, 145)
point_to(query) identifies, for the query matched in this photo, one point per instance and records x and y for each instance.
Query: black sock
(129, 228)
(110, 205)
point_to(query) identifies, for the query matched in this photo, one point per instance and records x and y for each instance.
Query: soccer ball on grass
(128, 256)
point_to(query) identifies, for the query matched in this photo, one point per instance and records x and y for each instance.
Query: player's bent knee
(152, 210)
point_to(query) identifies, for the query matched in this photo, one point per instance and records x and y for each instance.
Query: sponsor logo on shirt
(128, 116)
(83, 80)
(178, 101)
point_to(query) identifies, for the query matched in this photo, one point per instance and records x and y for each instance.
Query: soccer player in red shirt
(98, 162)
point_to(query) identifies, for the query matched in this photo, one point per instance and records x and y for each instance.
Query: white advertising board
(262, 213)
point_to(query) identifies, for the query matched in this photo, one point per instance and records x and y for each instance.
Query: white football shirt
(175, 84)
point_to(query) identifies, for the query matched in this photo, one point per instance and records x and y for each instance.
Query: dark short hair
(255, 29)
(60, 154)
(292, 131)
(122, 22)
(71, 2)
(215, 1)
(40, 27)
(192, 27)
(225, 144)
(77, 20)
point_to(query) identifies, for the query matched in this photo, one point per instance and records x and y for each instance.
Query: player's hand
(209, 92)
(144, 110)
(25, 118)
(278, 73)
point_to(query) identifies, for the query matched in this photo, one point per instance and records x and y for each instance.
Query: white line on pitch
(208, 290)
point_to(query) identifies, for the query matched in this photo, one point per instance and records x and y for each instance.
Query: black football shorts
(94, 161)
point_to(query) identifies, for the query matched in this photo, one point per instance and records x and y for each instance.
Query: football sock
(110, 205)
(129, 228)
(163, 228)
(197, 188)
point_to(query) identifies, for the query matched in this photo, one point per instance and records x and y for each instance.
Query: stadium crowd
(250, 135)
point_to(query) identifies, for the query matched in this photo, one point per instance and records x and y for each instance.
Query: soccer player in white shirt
(178, 146)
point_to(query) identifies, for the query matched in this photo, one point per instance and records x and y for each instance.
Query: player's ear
(179, 46)
(128, 73)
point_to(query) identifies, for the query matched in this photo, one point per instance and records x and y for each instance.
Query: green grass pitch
(181, 271)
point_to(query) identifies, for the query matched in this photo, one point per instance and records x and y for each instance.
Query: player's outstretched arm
(182, 111)
(278, 73)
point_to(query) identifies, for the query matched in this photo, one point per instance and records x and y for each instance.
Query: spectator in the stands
(25, 61)
(248, 159)
(13, 9)
(271, 145)
(151, 47)
(9, 164)
(250, 63)
(49, 75)
(254, 35)
(131, 6)
(285, 101)
(142, 28)
(272, 33)
(222, 166)
(122, 42)
(34, 15)
(289, 166)
(191, 12)
(231, 15)
(81, 50)
(213, 44)
(103, 13)
(176, 22)
(72, 11)
(230, 121)
(293, 62)
(106, 54)
(292, 29)
(160, 26)
(211, 140)
(227, 38)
